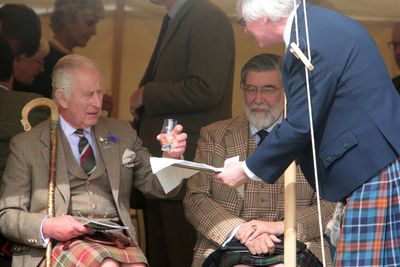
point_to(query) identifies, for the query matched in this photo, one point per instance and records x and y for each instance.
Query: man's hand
(262, 244)
(136, 102)
(233, 175)
(63, 228)
(251, 230)
(179, 145)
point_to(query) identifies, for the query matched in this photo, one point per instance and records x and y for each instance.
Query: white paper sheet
(171, 172)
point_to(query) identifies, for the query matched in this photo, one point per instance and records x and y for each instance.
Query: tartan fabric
(81, 253)
(231, 258)
(370, 233)
(5, 247)
(304, 259)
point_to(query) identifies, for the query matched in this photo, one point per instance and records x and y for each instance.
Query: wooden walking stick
(290, 236)
(53, 154)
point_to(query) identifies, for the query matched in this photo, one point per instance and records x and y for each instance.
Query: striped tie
(87, 160)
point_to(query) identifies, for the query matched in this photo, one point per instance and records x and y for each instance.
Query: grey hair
(67, 68)
(68, 11)
(252, 10)
(259, 63)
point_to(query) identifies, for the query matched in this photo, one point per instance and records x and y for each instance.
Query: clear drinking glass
(167, 139)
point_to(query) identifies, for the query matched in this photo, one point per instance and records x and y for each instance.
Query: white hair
(67, 68)
(252, 10)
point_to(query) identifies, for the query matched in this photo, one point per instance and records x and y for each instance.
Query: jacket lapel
(237, 143)
(110, 153)
(238, 139)
(173, 26)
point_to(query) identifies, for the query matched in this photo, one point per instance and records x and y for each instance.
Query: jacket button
(337, 153)
(346, 145)
(328, 159)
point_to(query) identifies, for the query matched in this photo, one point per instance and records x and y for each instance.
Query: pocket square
(129, 159)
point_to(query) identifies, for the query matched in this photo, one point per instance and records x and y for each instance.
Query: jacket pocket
(337, 148)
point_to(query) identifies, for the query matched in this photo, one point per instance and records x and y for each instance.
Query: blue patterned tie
(86, 155)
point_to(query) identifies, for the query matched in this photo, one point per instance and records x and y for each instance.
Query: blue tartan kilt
(370, 231)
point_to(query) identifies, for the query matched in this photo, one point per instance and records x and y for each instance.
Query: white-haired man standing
(356, 124)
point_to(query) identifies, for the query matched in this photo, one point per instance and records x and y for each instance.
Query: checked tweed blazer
(215, 209)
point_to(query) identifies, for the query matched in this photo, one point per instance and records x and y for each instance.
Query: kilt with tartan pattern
(305, 258)
(83, 253)
(370, 232)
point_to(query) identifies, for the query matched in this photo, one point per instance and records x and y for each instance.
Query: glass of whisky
(167, 139)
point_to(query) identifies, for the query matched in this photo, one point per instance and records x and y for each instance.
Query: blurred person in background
(189, 78)
(27, 68)
(73, 23)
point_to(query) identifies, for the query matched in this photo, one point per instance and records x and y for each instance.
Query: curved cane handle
(41, 101)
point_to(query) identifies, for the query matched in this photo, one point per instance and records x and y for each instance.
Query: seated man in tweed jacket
(93, 181)
(219, 212)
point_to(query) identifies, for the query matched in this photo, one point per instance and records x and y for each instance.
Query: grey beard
(264, 121)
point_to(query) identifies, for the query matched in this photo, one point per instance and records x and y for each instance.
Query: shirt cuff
(249, 173)
(45, 240)
(231, 236)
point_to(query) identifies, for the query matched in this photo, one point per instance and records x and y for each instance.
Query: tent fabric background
(137, 30)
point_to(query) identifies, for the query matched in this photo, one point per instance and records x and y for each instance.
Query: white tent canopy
(125, 39)
(363, 10)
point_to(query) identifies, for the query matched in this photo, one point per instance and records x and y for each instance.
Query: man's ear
(61, 99)
(264, 20)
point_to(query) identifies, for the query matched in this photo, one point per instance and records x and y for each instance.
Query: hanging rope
(309, 67)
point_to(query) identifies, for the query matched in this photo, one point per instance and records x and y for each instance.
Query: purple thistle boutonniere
(109, 139)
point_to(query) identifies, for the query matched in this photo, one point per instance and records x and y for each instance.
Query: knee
(109, 263)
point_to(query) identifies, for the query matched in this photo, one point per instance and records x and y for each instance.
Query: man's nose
(259, 97)
(97, 100)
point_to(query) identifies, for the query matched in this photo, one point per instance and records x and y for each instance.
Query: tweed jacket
(23, 191)
(215, 209)
(11, 104)
(193, 78)
(355, 109)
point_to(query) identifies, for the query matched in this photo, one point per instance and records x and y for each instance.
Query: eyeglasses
(393, 45)
(242, 22)
(265, 90)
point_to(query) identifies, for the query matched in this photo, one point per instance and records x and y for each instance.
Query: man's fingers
(275, 239)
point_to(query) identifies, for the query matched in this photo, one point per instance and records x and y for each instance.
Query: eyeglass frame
(393, 45)
(265, 90)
